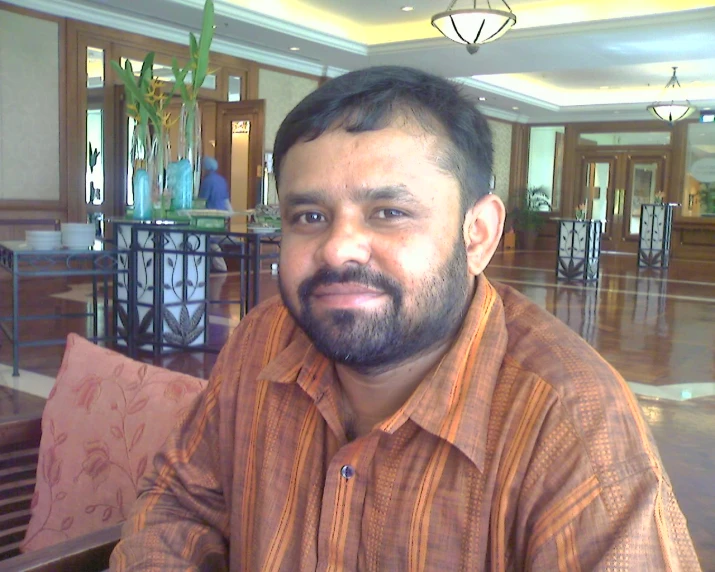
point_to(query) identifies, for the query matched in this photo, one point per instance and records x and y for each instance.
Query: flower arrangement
(659, 198)
(147, 102)
(580, 212)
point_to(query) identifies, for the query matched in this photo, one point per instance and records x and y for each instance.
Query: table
(579, 249)
(22, 261)
(163, 303)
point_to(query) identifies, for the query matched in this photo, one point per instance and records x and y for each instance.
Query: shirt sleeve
(180, 519)
(634, 525)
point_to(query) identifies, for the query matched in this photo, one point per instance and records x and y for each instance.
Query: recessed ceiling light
(515, 108)
(604, 87)
(482, 99)
(407, 8)
(294, 49)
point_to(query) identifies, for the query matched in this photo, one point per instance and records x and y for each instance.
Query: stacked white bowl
(77, 235)
(43, 239)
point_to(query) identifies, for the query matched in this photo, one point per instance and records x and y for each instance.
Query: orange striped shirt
(522, 449)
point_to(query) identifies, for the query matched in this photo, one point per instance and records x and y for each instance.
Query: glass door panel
(598, 175)
(644, 182)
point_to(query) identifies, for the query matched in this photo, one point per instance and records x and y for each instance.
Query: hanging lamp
(673, 105)
(474, 26)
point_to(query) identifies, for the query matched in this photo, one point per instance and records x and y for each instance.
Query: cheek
(295, 264)
(413, 262)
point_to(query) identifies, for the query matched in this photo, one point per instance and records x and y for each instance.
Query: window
(625, 139)
(94, 188)
(546, 153)
(699, 184)
(234, 88)
(165, 73)
(94, 168)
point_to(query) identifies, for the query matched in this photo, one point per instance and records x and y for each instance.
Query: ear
(482, 231)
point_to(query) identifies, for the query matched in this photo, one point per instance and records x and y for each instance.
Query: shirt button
(347, 472)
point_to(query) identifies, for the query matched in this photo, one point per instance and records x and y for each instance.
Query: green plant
(530, 202)
(198, 64)
(706, 194)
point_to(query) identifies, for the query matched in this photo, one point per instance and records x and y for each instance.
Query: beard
(374, 341)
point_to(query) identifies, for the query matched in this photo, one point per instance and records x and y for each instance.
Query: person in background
(395, 409)
(214, 189)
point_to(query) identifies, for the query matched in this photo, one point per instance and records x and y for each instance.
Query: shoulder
(263, 333)
(587, 397)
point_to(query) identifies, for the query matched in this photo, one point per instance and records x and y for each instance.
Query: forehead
(396, 154)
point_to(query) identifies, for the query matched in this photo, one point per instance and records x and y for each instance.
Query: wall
(501, 138)
(29, 108)
(282, 93)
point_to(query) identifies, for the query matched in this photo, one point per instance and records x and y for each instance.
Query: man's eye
(389, 213)
(309, 218)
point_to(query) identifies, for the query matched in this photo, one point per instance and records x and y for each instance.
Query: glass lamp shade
(672, 111)
(472, 26)
(677, 108)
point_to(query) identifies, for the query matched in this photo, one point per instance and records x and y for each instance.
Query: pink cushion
(105, 418)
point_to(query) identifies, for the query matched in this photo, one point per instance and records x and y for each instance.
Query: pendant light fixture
(673, 105)
(474, 26)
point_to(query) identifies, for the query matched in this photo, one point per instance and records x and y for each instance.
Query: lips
(345, 289)
(346, 295)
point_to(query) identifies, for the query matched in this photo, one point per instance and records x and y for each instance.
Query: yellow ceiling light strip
(532, 15)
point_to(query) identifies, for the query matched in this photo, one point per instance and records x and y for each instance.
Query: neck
(371, 398)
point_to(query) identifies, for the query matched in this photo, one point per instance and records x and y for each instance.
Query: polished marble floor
(656, 327)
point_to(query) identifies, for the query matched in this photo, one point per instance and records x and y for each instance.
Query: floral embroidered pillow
(105, 418)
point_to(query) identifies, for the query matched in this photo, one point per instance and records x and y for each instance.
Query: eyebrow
(398, 193)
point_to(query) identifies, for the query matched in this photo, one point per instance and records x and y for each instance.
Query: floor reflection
(656, 327)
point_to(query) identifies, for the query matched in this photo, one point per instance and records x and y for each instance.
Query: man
(214, 189)
(394, 410)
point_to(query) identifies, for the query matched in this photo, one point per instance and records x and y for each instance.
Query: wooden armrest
(88, 553)
(20, 429)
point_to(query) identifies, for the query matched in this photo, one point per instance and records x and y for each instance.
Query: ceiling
(588, 60)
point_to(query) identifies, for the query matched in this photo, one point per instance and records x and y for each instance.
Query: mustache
(354, 275)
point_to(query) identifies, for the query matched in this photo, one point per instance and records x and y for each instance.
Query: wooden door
(239, 150)
(597, 188)
(614, 185)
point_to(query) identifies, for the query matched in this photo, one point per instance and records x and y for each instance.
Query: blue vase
(180, 182)
(142, 195)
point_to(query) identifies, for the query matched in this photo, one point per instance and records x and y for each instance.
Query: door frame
(617, 236)
(253, 111)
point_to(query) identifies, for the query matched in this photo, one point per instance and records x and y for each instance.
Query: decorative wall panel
(29, 108)
(501, 137)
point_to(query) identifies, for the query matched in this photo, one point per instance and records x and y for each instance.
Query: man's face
(373, 264)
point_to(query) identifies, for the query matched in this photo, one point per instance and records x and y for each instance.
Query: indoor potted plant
(527, 218)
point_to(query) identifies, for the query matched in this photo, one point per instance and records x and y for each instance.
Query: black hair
(370, 99)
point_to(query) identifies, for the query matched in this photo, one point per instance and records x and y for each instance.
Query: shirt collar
(452, 402)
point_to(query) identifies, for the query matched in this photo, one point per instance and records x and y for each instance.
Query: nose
(345, 242)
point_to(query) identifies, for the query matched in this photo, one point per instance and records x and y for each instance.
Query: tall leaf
(207, 34)
(193, 47)
(147, 69)
(180, 76)
(130, 99)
